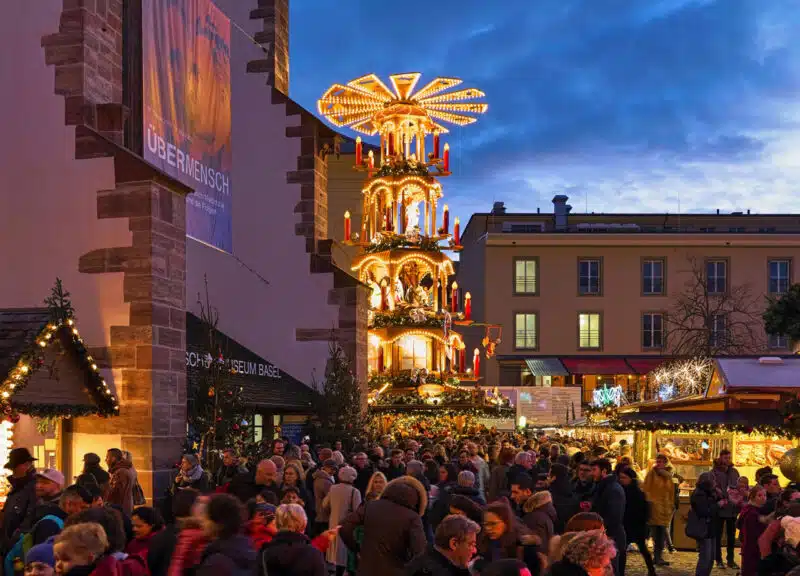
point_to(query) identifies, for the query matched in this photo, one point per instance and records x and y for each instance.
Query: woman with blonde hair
(375, 486)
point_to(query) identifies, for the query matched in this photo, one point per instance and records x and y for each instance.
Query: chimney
(561, 211)
(274, 40)
(499, 208)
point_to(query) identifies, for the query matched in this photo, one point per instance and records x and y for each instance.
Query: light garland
(684, 377)
(29, 361)
(694, 428)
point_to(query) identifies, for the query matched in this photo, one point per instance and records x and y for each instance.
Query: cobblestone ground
(681, 564)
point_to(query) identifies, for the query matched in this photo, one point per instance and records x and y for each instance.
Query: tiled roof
(19, 328)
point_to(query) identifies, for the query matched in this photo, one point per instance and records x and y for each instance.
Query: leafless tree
(705, 323)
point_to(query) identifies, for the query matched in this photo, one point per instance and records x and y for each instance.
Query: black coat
(433, 563)
(609, 502)
(228, 557)
(565, 501)
(99, 474)
(637, 512)
(20, 502)
(243, 486)
(584, 491)
(363, 478)
(159, 554)
(291, 554)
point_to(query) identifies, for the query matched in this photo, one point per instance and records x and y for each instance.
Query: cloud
(626, 105)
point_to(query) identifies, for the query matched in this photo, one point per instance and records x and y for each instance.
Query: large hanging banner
(186, 66)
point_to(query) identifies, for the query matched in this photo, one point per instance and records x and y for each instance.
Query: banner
(186, 68)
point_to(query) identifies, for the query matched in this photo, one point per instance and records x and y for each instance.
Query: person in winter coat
(163, 544)
(505, 536)
(453, 547)
(120, 485)
(659, 489)
(260, 527)
(342, 500)
(83, 550)
(587, 554)
(91, 466)
(192, 540)
(323, 481)
(564, 499)
(229, 470)
(392, 525)
(229, 552)
(21, 500)
(637, 512)
(609, 503)
(750, 529)
(290, 553)
(192, 475)
(498, 479)
(293, 477)
(540, 516)
(583, 485)
(147, 522)
(364, 470)
(725, 477)
(704, 504)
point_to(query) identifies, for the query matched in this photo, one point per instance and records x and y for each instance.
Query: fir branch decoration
(59, 304)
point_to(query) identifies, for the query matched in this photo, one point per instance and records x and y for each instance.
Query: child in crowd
(40, 561)
(78, 548)
(739, 494)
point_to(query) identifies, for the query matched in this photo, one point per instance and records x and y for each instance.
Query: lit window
(589, 330)
(525, 331)
(778, 342)
(716, 276)
(413, 353)
(589, 276)
(258, 428)
(719, 330)
(652, 330)
(653, 277)
(779, 276)
(525, 277)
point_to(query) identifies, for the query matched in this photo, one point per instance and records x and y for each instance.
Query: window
(653, 330)
(589, 277)
(589, 330)
(779, 272)
(526, 276)
(717, 276)
(653, 277)
(525, 335)
(258, 428)
(413, 353)
(778, 341)
(719, 330)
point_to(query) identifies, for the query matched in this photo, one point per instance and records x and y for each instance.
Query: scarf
(192, 475)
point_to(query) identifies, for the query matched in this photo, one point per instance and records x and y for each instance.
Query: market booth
(739, 410)
(47, 377)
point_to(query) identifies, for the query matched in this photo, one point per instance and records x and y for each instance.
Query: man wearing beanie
(342, 499)
(40, 560)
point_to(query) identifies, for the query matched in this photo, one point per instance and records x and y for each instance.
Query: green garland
(399, 318)
(55, 411)
(405, 379)
(403, 168)
(395, 242)
(688, 428)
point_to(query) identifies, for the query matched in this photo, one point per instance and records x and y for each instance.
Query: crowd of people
(489, 505)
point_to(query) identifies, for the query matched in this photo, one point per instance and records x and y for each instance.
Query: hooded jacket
(660, 491)
(291, 554)
(540, 516)
(120, 487)
(228, 557)
(393, 531)
(322, 485)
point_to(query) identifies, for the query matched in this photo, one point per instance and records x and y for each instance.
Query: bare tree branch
(689, 325)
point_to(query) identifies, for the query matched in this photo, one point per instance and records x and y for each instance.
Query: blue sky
(624, 105)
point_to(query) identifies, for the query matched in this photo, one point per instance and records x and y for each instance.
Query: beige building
(601, 299)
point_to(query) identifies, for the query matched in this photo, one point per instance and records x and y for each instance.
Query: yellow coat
(660, 492)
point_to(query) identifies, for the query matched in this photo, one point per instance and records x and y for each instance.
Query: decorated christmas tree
(339, 411)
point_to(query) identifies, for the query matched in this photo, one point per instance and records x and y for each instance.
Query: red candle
(454, 298)
(347, 226)
(446, 219)
(358, 151)
(476, 363)
(435, 143)
(457, 232)
(391, 144)
(467, 306)
(446, 158)
(371, 157)
(462, 361)
(389, 218)
(380, 358)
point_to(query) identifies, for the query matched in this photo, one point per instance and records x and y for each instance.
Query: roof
(759, 373)
(19, 328)
(702, 417)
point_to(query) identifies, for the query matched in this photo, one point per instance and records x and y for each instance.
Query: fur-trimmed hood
(408, 492)
(538, 500)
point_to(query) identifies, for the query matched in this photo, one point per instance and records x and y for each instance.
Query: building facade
(79, 202)
(596, 300)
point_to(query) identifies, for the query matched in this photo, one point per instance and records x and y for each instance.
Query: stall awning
(729, 417)
(645, 365)
(761, 373)
(546, 367)
(603, 366)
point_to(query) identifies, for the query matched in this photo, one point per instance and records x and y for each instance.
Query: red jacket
(140, 546)
(131, 566)
(188, 551)
(260, 533)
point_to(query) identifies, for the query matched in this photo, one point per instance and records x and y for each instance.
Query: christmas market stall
(47, 378)
(706, 406)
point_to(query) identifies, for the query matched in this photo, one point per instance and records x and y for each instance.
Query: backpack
(15, 559)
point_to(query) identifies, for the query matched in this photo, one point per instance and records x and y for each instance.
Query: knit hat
(42, 553)
(347, 474)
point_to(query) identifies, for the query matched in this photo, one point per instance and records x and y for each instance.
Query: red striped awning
(645, 365)
(603, 366)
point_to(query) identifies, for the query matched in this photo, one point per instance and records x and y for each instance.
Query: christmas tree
(340, 409)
